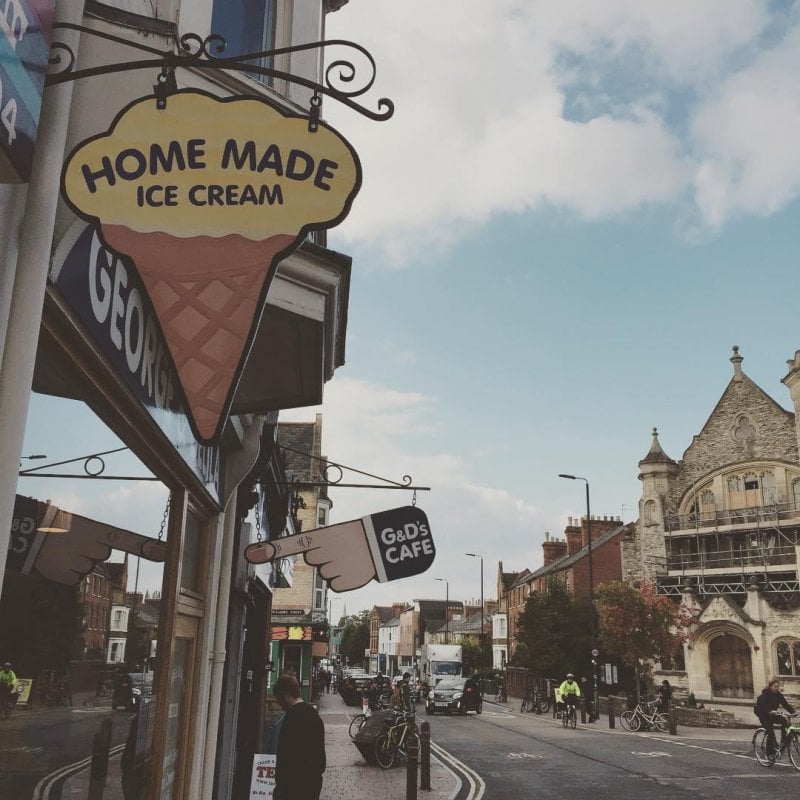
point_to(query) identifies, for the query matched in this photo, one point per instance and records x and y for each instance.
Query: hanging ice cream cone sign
(205, 198)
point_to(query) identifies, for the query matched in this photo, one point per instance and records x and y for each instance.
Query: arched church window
(650, 512)
(796, 492)
(736, 498)
(707, 504)
(769, 490)
(787, 652)
(752, 495)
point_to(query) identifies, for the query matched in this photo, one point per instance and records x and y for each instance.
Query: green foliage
(355, 638)
(553, 633)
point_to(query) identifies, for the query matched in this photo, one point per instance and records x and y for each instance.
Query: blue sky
(575, 212)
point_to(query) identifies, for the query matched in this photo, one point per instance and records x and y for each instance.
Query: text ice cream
(205, 198)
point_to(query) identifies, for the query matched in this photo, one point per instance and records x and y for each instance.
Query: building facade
(718, 530)
(78, 323)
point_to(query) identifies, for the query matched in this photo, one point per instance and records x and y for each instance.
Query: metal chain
(258, 519)
(414, 498)
(165, 517)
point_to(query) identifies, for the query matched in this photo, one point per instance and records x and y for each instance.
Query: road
(519, 756)
(37, 743)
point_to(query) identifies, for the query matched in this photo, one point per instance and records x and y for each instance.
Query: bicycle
(357, 723)
(569, 716)
(527, 702)
(790, 745)
(395, 740)
(541, 702)
(642, 717)
(500, 695)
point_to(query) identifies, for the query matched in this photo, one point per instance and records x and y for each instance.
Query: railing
(774, 514)
(736, 559)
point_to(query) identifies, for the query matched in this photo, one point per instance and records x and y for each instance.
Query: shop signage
(204, 198)
(262, 784)
(24, 52)
(64, 547)
(387, 546)
(109, 298)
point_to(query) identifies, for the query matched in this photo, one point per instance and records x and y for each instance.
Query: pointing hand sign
(388, 545)
(76, 544)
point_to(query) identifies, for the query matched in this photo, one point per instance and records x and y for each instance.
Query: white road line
(42, 790)
(477, 785)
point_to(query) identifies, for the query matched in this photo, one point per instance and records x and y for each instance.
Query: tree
(553, 632)
(355, 638)
(639, 626)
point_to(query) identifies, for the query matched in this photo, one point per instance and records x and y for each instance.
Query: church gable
(746, 425)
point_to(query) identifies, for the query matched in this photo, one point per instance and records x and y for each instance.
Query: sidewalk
(348, 775)
(685, 732)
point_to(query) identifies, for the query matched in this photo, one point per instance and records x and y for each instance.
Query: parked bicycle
(359, 719)
(535, 701)
(394, 742)
(645, 715)
(500, 694)
(790, 744)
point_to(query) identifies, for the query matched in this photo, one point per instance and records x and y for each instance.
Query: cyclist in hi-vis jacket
(570, 691)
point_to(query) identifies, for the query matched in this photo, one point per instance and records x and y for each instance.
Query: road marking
(522, 755)
(651, 754)
(477, 787)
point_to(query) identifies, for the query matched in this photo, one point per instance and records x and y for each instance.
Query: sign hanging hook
(313, 114)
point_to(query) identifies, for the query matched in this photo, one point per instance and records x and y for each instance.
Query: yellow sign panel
(205, 197)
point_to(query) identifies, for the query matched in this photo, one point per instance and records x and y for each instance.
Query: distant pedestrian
(301, 745)
(327, 678)
(587, 690)
(664, 697)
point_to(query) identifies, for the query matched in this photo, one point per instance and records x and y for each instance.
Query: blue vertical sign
(24, 49)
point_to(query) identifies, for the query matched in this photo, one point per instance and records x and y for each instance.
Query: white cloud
(484, 97)
(376, 430)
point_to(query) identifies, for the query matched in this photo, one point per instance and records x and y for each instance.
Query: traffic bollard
(412, 754)
(425, 756)
(101, 744)
(673, 723)
(612, 722)
(583, 715)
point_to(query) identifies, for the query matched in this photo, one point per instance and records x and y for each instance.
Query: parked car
(454, 694)
(129, 687)
(352, 687)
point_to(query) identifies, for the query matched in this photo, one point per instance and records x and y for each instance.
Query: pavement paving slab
(349, 776)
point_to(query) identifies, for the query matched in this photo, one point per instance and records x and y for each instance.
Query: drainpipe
(30, 278)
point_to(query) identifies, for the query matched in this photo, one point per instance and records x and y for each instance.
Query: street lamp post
(591, 580)
(446, 609)
(480, 638)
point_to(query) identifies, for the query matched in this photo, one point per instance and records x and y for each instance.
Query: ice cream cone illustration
(205, 198)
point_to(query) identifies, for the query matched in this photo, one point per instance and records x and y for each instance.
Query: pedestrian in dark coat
(301, 745)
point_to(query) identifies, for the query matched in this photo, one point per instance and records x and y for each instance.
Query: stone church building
(720, 530)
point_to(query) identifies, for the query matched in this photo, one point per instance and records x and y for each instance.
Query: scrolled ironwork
(55, 61)
(192, 46)
(342, 79)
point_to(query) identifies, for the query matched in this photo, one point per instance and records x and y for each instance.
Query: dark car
(128, 688)
(454, 694)
(353, 686)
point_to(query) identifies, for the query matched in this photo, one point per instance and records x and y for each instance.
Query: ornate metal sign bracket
(93, 468)
(342, 80)
(336, 477)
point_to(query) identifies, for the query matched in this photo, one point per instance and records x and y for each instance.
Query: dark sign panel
(24, 50)
(107, 295)
(385, 546)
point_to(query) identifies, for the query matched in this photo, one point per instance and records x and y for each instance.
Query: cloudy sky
(575, 212)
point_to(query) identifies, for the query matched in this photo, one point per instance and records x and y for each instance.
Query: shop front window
(84, 669)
